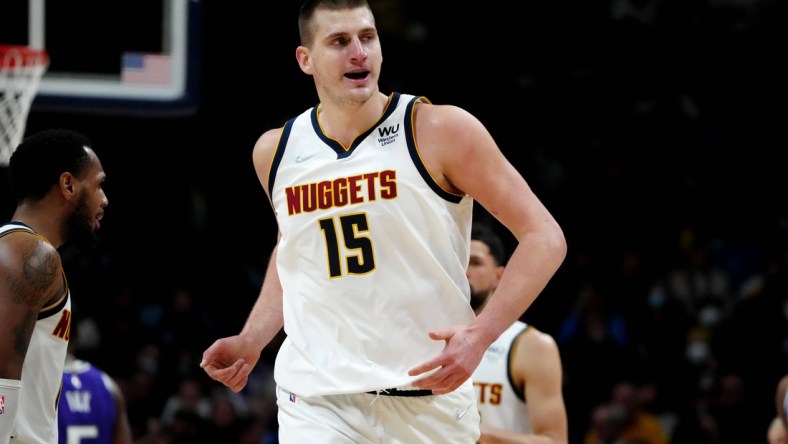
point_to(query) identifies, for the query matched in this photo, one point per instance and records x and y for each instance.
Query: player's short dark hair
(484, 233)
(309, 7)
(37, 163)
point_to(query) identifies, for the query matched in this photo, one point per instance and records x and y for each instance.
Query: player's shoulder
(441, 115)
(25, 249)
(452, 132)
(536, 341)
(265, 147)
(269, 139)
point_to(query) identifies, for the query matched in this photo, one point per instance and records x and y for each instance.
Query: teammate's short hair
(484, 233)
(37, 163)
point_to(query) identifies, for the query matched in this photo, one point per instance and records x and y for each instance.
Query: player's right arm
(543, 379)
(230, 360)
(266, 317)
(30, 275)
(541, 382)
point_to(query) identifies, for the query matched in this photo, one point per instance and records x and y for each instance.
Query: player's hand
(229, 361)
(454, 365)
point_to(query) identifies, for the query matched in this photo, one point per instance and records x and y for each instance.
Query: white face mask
(710, 316)
(698, 351)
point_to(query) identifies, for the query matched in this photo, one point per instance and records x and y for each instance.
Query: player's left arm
(538, 360)
(462, 156)
(475, 165)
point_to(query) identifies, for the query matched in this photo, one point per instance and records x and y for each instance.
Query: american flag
(146, 69)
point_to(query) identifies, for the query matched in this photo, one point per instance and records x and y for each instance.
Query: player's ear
(302, 55)
(498, 273)
(67, 185)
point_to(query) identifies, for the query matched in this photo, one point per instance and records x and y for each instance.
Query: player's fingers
(444, 386)
(444, 380)
(432, 381)
(425, 367)
(438, 361)
(238, 380)
(441, 335)
(448, 385)
(224, 374)
(239, 383)
(212, 357)
(440, 387)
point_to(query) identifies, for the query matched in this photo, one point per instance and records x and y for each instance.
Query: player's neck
(40, 220)
(346, 120)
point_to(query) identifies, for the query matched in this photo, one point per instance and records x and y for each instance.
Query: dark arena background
(654, 130)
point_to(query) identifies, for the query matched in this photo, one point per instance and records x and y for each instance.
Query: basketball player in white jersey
(373, 194)
(519, 380)
(57, 180)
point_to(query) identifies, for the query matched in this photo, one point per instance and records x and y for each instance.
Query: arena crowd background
(653, 129)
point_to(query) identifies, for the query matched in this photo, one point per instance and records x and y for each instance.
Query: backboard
(111, 57)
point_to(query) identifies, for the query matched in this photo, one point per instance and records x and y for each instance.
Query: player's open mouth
(357, 75)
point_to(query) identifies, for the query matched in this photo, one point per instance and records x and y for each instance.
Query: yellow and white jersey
(499, 404)
(42, 373)
(372, 256)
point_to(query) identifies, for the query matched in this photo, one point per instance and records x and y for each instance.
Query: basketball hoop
(21, 69)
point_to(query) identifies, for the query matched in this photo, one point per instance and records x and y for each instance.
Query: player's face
(84, 221)
(346, 56)
(483, 272)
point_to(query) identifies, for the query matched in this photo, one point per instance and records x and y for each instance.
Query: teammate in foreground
(57, 181)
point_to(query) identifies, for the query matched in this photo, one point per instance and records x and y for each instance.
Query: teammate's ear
(67, 182)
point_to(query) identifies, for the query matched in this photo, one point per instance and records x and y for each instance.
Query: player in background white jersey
(56, 179)
(373, 196)
(520, 379)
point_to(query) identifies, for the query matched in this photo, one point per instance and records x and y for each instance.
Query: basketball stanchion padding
(21, 69)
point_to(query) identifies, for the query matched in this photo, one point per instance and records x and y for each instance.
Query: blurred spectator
(190, 397)
(627, 418)
(143, 390)
(730, 412)
(702, 286)
(607, 423)
(229, 415)
(595, 349)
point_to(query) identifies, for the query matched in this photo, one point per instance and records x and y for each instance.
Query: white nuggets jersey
(499, 404)
(42, 373)
(372, 256)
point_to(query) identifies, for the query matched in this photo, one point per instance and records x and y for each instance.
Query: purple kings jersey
(86, 414)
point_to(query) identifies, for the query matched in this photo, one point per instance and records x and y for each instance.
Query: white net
(21, 69)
